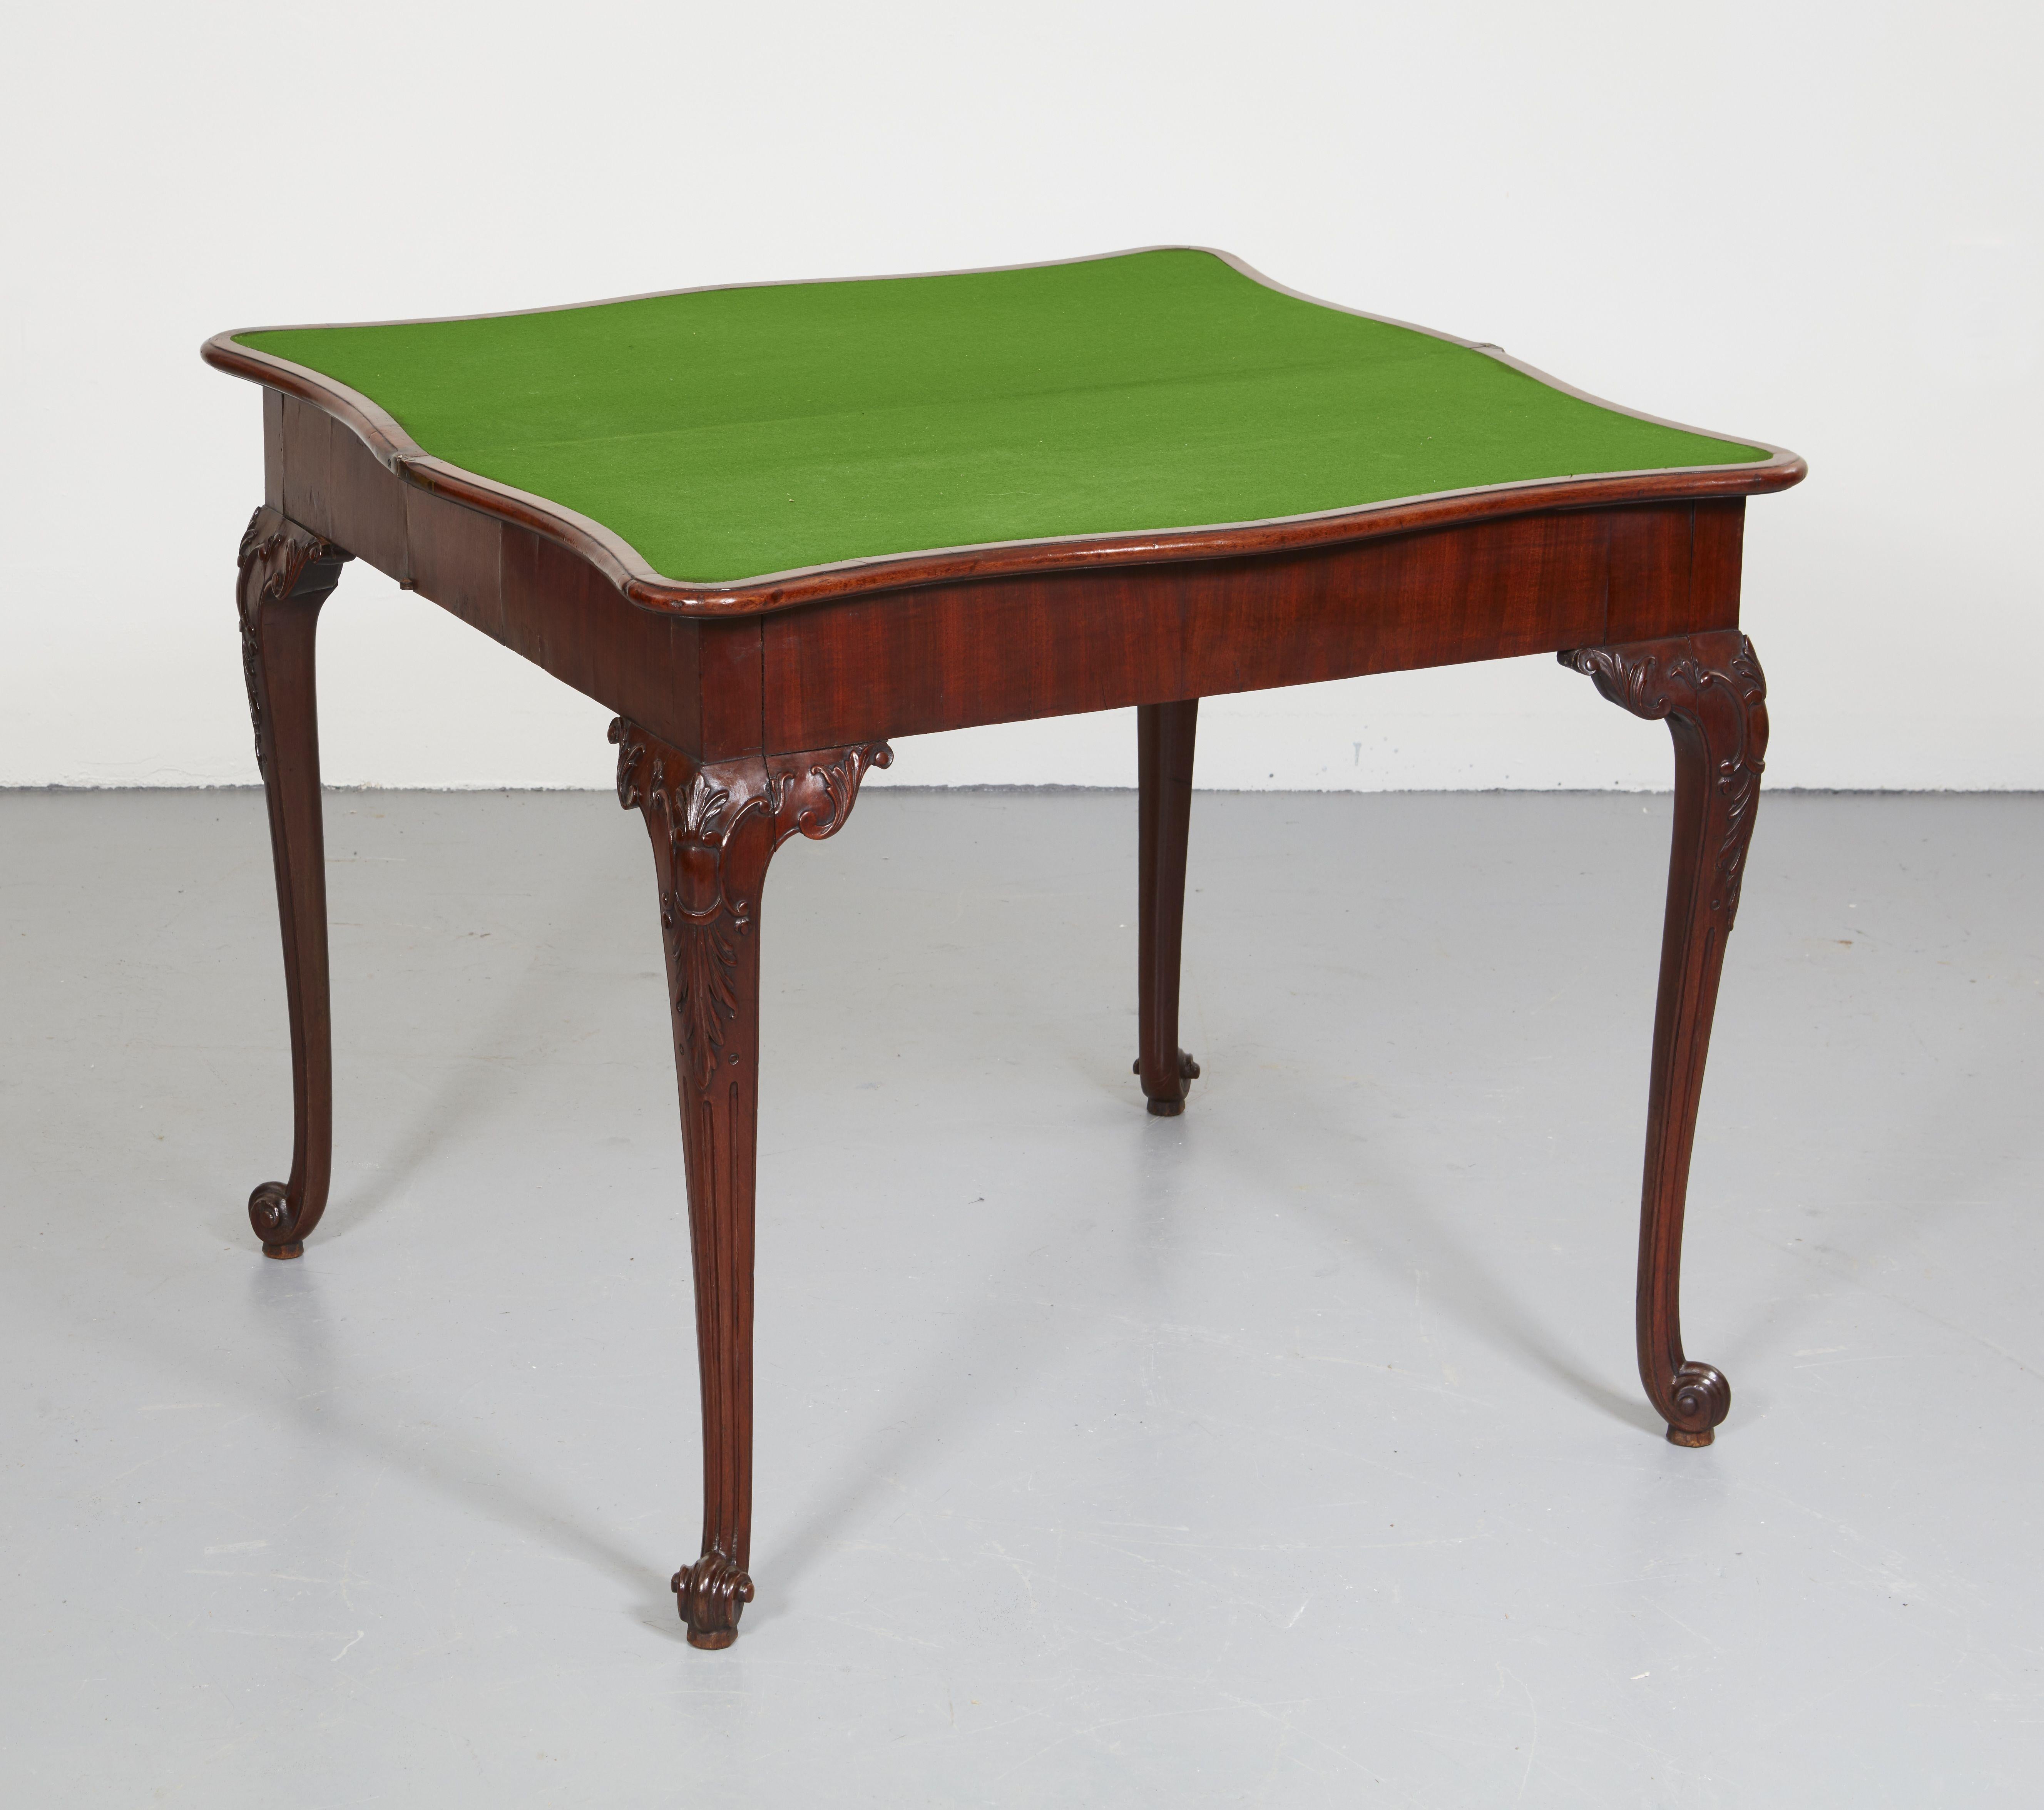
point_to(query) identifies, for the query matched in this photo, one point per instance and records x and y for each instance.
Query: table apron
(1002, 650)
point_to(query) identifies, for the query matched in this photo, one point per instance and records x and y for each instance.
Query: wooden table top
(753, 447)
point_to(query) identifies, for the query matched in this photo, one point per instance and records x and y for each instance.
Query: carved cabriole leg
(1164, 734)
(286, 573)
(714, 827)
(1710, 689)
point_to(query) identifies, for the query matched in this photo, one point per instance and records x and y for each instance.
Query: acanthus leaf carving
(711, 861)
(811, 795)
(279, 550)
(275, 557)
(1714, 681)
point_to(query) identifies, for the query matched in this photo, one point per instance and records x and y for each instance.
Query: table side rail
(1005, 650)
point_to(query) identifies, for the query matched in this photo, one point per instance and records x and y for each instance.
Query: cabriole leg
(1710, 689)
(714, 827)
(1164, 734)
(287, 572)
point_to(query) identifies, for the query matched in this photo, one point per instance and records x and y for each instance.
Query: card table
(770, 526)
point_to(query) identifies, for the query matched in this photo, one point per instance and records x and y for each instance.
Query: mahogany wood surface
(714, 829)
(1711, 689)
(748, 715)
(286, 575)
(1164, 736)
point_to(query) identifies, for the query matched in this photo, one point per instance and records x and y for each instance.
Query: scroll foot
(270, 1213)
(711, 1595)
(1701, 1398)
(1188, 1071)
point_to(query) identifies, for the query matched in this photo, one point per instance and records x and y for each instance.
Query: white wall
(1815, 224)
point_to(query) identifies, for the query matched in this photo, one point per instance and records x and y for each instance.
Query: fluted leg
(286, 573)
(1710, 689)
(1164, 735)
(715, 828)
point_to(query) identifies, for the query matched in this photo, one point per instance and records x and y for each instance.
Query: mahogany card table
(771, 526)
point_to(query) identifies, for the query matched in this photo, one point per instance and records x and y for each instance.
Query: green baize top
(732, 433)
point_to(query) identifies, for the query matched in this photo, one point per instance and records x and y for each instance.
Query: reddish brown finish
(1164, 737)
(1710, 689)
(1634, 577)
(715, 827)
(1717, 547)
(720, 792)
(286, 575)
(950, 656)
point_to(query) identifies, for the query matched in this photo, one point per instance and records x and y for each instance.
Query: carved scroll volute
(1710, 690)
(811, 794)
(713, 1592)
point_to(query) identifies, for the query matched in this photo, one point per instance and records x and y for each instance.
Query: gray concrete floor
(1288, 1453)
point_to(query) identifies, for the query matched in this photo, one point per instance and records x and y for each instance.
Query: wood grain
(285, 575)
(949, 656)
(1165, 734)
(1710, 690)
(714, 827)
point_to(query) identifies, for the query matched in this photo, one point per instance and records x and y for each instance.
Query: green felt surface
(736, 433)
